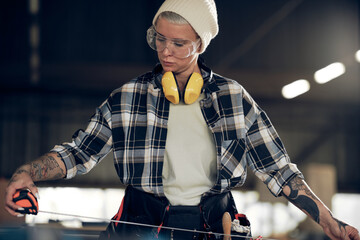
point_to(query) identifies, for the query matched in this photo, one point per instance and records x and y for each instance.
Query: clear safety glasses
(179, 48)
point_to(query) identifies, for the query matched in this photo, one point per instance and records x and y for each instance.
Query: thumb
(32, 187)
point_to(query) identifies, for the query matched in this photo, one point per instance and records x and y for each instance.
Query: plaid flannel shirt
(132, 123)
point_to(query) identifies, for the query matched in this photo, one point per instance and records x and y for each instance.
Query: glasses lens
(150, 37)
(179, 48)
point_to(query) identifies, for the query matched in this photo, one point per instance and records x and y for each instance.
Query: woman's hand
(21, 179)
(47, 167)
(338, 230)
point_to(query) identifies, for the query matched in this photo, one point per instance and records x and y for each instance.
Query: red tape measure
(25, 199)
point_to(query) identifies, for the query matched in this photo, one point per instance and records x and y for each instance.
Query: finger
(32, 187)
(11, 211)
(9, 199)
(354, 234)
(11, 207)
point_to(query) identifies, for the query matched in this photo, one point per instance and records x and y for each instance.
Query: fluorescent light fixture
(295, 89)
(330, 72)
(357, 56)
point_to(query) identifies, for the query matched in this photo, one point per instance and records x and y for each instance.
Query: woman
(182, 138)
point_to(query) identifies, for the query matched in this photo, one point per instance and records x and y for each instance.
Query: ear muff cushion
(193, 88)
(170, 87)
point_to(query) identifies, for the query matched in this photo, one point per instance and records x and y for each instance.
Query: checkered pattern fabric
(132, 123)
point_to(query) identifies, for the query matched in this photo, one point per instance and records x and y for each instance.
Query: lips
(165, 63)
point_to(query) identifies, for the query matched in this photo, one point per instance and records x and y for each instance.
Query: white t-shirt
(190, 155)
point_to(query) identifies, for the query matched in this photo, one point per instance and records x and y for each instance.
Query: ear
(199, 47)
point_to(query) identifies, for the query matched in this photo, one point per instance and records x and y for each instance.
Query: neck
(182, 77)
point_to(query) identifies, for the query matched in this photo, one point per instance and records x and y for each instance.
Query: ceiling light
(295, 89)
(330, 72)
(357, 56)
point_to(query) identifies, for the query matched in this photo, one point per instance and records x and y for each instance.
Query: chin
(168, 62)
(167, 68)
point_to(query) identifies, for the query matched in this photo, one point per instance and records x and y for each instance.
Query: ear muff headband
(192, 89)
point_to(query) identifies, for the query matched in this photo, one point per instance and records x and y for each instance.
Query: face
(180, 32)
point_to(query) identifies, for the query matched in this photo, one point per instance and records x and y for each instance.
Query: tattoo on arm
(46, 168)
(305, 201)
(341, 225)
(302, 197)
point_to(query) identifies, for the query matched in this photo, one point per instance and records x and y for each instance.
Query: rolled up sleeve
(88, 147)
(267, 157)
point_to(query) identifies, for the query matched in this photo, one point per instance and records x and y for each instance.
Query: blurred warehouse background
(59, 60)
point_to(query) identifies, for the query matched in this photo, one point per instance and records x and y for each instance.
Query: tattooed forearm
(46, 168)
(300, 194)
(305, 201)
(297, 184)
(308, 205)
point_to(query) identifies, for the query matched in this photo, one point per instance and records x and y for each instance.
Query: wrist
(24, 169)
(326, 218)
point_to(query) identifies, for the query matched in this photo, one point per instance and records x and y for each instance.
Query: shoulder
(229, 86)
(136, 85)
(232, 89)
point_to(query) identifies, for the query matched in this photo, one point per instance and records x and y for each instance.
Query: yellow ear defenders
(192, 89)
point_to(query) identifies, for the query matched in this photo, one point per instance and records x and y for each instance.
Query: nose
(166, 51)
